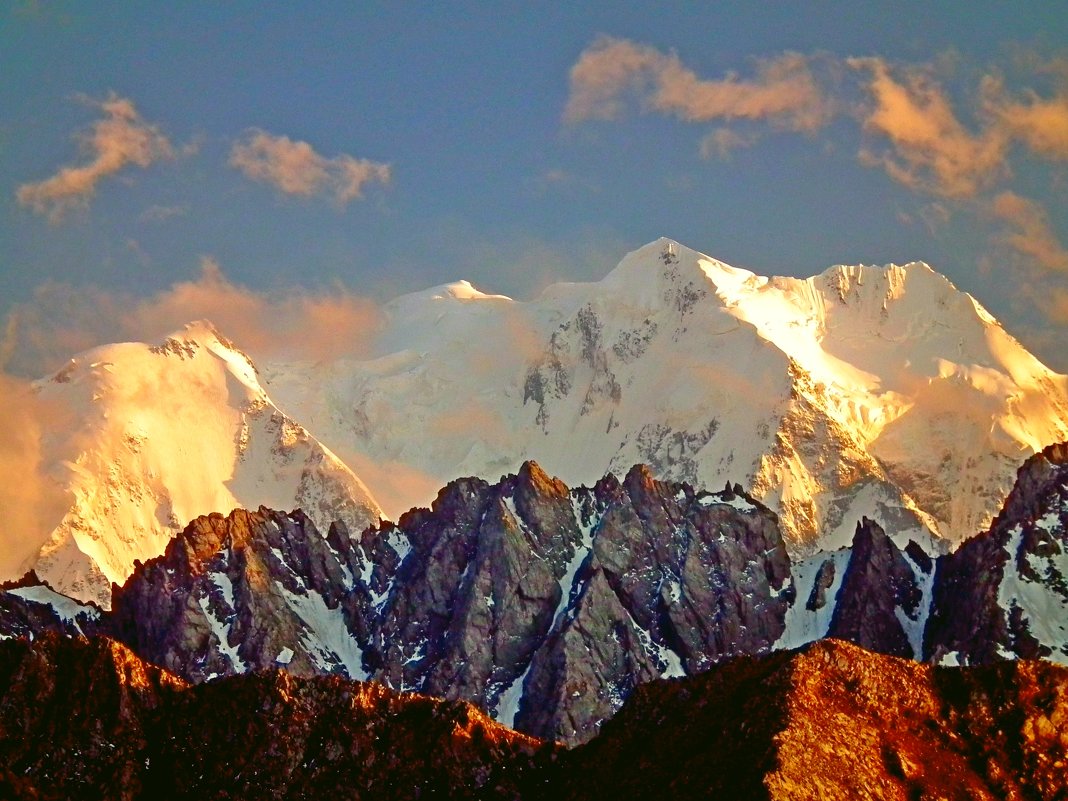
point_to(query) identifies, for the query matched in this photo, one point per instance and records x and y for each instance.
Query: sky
(287, 167)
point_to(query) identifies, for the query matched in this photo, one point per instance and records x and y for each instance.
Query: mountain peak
(664, 269)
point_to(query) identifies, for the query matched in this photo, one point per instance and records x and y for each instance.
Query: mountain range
(878, 392)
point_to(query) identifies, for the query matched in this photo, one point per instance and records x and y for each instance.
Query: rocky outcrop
(90, 720)
(547, 606)
(1004, 593)
(256, 590)
(830, 722)
(879, 595)
(30, 608)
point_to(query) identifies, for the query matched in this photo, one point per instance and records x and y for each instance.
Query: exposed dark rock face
(90, 720)
(817, 598)
(878, 583)
(548, 606)
(254, 590)
(831, 722)
(30, 608)
(1004, 593)
(543, 605)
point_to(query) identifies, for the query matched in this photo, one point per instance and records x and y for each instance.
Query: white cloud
(119, 139)
(783, 91)
(295, 168)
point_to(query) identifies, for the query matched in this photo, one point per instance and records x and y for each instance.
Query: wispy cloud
(62, 320)
(295, 168)
(32, 501)
(929, 148)
(783, 91)
(1029, 232)
(119, 139)
(1039, 123)
(932, 150)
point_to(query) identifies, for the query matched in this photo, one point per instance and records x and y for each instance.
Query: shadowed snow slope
(864, 391)
(157, 435)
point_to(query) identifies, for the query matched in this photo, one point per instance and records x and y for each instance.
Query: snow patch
(325, 637)
(803, 625)
(1044, 608)
(220, 626)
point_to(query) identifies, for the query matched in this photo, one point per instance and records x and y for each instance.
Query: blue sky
(338, 149)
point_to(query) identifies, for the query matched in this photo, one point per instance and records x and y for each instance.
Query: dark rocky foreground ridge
(87, 719)
(547, 606)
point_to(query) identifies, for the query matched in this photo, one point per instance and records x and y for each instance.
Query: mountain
(548, 606)
(542, 605)
(88, 719)
(147, 437)
(879, 392)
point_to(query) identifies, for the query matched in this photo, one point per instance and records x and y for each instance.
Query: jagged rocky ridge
(542, 605)
(547, 607)
(88, 719)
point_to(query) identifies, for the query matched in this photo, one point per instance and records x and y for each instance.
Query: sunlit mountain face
(878, 391)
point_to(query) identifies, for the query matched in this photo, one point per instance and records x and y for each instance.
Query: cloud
(295, 168)
(784, 90)
(556, 179)
(930, 149)
(1040, 124)
(33, 503)
(119, 139)
(1029, 232)
(62, 320)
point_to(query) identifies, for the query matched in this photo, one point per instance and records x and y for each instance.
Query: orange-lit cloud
(33, 503)
(784, 90)
(1029, 232)
(1039, 123)
(930, 149)
(295, 168)
(62, 320)
(117, 140)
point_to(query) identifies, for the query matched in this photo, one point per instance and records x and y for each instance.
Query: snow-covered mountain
(151, 436)
(883, 392)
